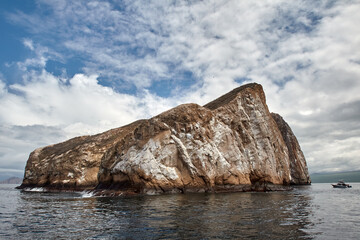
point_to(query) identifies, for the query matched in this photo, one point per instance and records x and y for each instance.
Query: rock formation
(231, 144)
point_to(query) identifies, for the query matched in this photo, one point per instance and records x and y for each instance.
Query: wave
(87, 194)
(35, 189)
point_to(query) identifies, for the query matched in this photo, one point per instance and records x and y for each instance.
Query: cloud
(29, 44)
(18, 141)
(114, 44)
(52, 101)
(39, 56)
(139, 59)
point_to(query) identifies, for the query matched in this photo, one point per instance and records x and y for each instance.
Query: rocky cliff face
(230, 144)
(298, 165)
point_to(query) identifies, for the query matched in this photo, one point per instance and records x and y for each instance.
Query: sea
(317, 211)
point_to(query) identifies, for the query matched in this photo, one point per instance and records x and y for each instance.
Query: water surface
(310, 212)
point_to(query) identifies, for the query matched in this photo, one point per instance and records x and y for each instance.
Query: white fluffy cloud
(81, 101)
(304, 53)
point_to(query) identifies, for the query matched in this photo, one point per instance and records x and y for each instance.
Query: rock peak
(228, 97)
(231, 144)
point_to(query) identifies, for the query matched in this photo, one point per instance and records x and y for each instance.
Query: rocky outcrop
(298, 167)
(230, 144)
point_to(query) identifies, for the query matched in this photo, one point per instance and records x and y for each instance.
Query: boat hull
(340, 186)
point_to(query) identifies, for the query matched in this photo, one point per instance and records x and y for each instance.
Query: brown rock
(230, 144)
(298, 167)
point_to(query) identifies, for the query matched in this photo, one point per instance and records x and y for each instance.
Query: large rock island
(231, 144)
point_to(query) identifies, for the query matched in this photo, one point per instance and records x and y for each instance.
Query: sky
(70, 68)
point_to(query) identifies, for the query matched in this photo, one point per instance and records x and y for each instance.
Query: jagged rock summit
(230, 144)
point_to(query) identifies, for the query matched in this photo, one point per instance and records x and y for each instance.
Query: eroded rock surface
(230, 144)
(298, 165)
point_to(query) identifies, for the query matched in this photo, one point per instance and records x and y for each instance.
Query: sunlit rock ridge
(230, 144)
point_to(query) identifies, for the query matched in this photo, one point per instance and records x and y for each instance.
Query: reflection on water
(276, 215)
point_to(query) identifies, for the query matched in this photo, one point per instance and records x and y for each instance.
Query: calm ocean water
(311, 212)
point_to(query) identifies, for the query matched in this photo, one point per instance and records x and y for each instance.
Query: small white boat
(341, 184)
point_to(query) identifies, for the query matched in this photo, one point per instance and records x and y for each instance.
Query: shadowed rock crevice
(230, 144)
